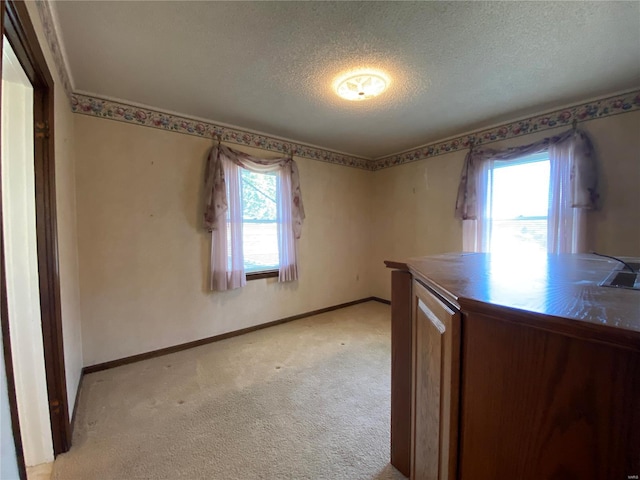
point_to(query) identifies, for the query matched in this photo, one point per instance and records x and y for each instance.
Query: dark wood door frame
(20, 33)
(4, 319)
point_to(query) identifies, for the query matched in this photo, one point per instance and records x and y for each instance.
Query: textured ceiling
(269, 66)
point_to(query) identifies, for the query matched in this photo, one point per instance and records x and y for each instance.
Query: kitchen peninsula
(514, 368)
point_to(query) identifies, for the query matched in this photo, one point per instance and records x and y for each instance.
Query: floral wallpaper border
(98, 107)
(604, 107)
(46, 17)
(614, 105)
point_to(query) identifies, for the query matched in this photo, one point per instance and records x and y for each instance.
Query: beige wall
(144, 255)
(66, 216)
(615, 228)
(413, 204)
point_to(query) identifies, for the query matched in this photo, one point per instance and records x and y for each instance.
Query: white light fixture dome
(361, 85)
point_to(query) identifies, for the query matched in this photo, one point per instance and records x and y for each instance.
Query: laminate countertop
(555, 291)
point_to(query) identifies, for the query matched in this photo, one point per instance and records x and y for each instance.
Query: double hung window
(528, 199)
(253, 209)
(259, 222)
(517, 205)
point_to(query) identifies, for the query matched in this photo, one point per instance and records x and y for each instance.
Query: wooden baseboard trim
(75, 403)
(381, 300)
(185, 346)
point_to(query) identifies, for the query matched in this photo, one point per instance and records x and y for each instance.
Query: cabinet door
(436, 350)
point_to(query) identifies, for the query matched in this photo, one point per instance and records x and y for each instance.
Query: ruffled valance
(580, 154)
(215, 200)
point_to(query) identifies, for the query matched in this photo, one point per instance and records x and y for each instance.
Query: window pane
(258, 196)
(260, 246)
(519, 207)
(260, 233)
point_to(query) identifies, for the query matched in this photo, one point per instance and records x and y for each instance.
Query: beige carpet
(304, 400)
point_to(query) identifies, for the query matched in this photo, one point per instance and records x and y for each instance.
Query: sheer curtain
(573, 181)
(227, 260)
(223, 205)
(286, 231)
(476, 231)
(572, 193)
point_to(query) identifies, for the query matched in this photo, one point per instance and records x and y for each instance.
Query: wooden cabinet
(434, 411)
(401, 359)
(538, 404)
(528, 377)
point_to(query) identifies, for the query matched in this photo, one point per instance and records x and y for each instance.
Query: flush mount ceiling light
(361, 85)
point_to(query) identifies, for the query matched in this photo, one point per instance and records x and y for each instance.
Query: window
(259, 221)
(532, 198)
(253, 209)
(518, 204)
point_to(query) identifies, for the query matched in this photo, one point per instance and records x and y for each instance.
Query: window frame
(260, 275)
(269, 271)
(488, 206)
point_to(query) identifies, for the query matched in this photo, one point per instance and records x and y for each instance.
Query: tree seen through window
(259, 214)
